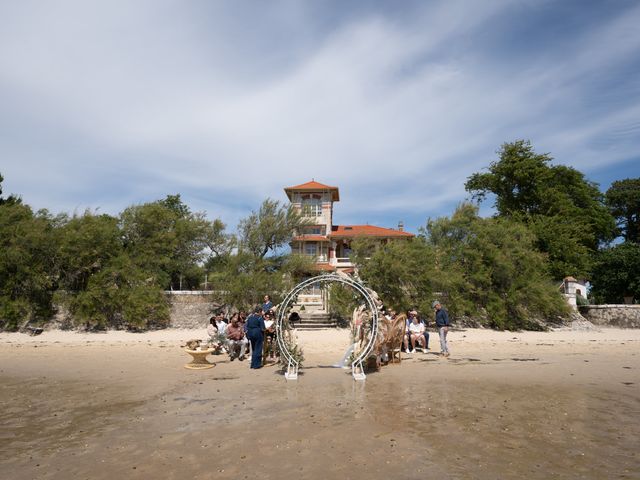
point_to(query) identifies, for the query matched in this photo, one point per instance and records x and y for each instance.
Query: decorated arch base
(287, 347)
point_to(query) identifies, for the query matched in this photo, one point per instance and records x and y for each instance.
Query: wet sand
(505, 405)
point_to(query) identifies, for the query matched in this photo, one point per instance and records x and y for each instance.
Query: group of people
(244, 332)
(256, 332)
(416, 334)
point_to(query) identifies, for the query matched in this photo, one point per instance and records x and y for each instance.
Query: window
(311, 206)
(315, 230)
(310, 248)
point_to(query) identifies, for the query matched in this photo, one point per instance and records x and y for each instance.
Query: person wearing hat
(416, 332)
(442, 324)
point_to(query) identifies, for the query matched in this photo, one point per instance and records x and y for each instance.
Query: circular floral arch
(283, 327)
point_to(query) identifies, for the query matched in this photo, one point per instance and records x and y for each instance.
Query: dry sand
(563, 404)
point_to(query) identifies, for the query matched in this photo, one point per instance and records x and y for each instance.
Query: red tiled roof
(339, 231)
(311, 238)
(314, 186)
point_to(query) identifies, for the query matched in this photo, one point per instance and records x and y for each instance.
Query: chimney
(401, 226)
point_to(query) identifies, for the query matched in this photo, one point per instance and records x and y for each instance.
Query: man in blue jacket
(442, 324)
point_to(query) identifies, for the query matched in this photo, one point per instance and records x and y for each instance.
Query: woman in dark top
(255, 332)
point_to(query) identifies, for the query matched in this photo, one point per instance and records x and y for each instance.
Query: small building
(572, 289)
(328, 244)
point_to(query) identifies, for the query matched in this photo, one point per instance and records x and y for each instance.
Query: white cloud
(164, 97)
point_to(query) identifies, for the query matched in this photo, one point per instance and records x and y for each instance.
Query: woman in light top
(416, 333)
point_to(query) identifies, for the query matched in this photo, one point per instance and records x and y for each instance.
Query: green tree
(165, 239)
(342, 301)
(494, 271)
(564, 210)
(242, 276)
(121, 295)
(114, 270)
(485, 270)
(86, 244)
(27, 265)
(401, 272)
(10, 198)
(270, 228)
(623, 200)
(220, 245)
(617, 274)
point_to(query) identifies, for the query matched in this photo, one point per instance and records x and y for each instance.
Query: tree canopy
(10, 198)
(111, 271)
(617, 274)
(486, 270)
(270, 228)
(562, 208)
(623, 200)
(27, 265)
(241, 277)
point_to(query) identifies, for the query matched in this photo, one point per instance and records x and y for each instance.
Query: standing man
(442, 324)
(267, 305)
(255, 332)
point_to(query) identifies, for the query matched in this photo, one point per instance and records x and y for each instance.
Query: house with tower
(327, 243)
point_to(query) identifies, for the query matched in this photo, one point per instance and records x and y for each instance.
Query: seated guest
(407, 340)
(221, 324)
(416, 333)
(214, 340)
(212, 329)
(426, 334)
(236, 339)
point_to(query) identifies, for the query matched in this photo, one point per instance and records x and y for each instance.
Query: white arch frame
(356, 366)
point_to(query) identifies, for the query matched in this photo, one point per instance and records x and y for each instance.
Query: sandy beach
(560, 404)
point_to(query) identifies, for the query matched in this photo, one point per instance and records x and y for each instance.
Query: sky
(107, 104)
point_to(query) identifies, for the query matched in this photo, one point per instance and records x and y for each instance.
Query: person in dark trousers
(442, 324)
(255, 332)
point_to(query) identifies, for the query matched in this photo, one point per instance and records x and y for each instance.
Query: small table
(199, 361)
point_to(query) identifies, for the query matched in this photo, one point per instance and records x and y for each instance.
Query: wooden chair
(396, 337)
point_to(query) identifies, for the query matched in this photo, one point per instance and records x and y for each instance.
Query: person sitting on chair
(416, 333)
(214, 340)
(426, 333)
(220, 323)
(236, 339)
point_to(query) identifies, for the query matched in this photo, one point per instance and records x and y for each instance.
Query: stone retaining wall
(190, 309)
(623, 316)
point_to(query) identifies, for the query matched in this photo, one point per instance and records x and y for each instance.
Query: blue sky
(109, 104)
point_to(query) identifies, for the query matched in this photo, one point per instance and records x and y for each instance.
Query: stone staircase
(315, 320)
(313, 316)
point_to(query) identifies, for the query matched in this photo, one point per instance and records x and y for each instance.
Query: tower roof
(314, 186)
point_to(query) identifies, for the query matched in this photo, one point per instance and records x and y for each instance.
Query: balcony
(316, 258)
(342, 262)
